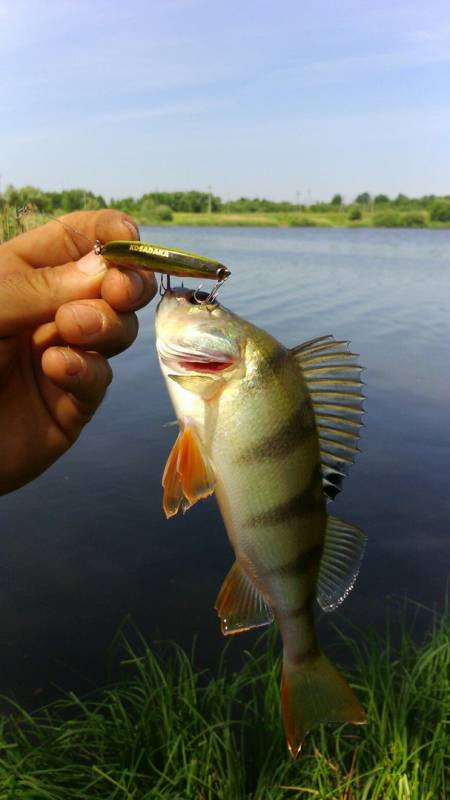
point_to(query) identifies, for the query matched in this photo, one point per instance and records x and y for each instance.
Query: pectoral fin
(239, 604)
(188, 476)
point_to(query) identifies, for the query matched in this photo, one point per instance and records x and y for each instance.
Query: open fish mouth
(189, 361)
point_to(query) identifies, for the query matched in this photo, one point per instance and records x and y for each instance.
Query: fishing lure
(155, 258)
(167, 261)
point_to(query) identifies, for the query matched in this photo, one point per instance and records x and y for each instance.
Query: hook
(164, 288)
(222, 275)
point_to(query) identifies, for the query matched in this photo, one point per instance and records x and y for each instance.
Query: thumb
(32, 296)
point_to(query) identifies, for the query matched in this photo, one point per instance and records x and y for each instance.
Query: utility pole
(209, 200)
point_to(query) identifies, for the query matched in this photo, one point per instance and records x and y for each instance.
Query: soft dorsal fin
(341, 558)
(333, 377)
(239, 604)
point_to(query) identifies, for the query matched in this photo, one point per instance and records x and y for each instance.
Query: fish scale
(264, 484)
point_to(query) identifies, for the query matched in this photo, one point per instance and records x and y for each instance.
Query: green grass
(338, 219)
(9, 224)
(253, 220)
(166, 730)
(12, 222)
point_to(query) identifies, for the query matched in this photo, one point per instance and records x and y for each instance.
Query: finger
(68, 238)
(94, 325)
(45, 336)
(83, 379)
(129, 289)
(29, 297)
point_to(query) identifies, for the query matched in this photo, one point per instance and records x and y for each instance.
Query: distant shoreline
(205, 209)
(284, 220)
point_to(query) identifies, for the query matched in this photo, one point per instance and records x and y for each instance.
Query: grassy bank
(11, 224)
(262, 220)
(296, 220)
(165, 730)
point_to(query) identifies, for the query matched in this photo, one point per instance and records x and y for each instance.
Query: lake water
(87, 543)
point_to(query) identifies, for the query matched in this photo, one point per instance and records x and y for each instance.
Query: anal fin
(341, 558)
(240, 605)
(188, 476)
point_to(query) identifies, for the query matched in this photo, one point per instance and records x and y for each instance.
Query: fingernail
(91, 264)
(135, 285)
(134, 230)
(72, 361)
(88, 319)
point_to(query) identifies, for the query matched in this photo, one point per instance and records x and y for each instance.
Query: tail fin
(314, 691)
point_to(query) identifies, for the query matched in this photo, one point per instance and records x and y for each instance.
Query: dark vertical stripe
(303, 610)
(299, 565)
(268, 367)
(286, 437)
(309, 500)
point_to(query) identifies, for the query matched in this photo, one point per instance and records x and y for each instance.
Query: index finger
(55, 243)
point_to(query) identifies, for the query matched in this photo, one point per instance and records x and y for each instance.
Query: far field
(288, 219)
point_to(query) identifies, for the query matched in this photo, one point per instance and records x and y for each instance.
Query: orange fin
(314, 691)
(187, 477)
(239, 604)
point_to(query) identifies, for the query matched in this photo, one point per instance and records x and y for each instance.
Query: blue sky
(252, 98)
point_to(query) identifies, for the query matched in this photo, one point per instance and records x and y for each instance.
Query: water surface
(87, 544)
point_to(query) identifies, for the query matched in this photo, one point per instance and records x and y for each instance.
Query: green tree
(163, 213)
(414, 219)
(401, 201)
(363, 199)
(73, 199)
(440, 211)
(354, 213)
(127, 204)
(390, 218)
(93, 202)
(28, 196)
(337, 200)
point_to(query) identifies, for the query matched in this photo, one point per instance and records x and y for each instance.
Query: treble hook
(164, 288)
(222, 275)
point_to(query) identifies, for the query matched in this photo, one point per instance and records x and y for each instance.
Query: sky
(293, 99)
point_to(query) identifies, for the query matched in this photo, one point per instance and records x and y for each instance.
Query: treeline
(161, 206)
(51, 202)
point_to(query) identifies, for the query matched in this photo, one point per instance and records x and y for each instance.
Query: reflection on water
(87, 544)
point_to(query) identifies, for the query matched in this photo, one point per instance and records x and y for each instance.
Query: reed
(168, 730)
(14, 221)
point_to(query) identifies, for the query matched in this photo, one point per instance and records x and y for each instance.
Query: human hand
(55, 292)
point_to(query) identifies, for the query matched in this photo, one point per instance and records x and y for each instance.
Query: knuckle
(43, 280)
(30, 284)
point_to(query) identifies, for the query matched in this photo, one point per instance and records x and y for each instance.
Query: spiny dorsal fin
(333, 377)
(341, 558)
(239, 604)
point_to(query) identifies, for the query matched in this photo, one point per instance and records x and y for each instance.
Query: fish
(271, 431)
